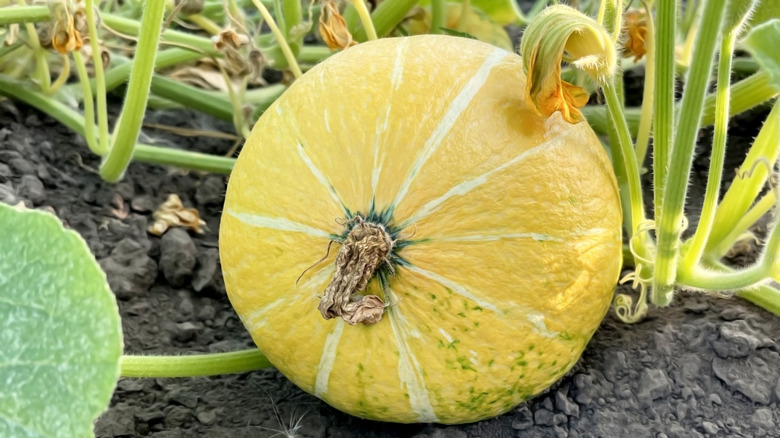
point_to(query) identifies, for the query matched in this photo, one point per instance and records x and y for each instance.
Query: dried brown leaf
(172, 213)
(333, 27)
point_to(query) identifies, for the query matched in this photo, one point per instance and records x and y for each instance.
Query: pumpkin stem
(366, 247)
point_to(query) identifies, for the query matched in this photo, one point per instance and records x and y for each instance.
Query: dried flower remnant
(333, 27)
(635, 29)
(173, 214)
(366, 247)
(63, 31)
(561, 33)
(10, 34)
(229, 38)
(238, 61)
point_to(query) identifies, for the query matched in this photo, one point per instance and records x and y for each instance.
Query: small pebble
(129, 385)
(183, 396)
(207, 418)
(31, 188)
(142, 204)
(5, 173)
(185, 331)
(654, 384)
(150, 416)
(525, 419)
(211, 191)
(710, 427)
(763, 418)
(177, 256)
(544, 417)
(565, 405)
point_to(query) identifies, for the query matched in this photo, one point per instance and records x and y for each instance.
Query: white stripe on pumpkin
(469, 185)
(457, 106)
(277, 223)
(409, 370)
(319, 175)
(328, 358)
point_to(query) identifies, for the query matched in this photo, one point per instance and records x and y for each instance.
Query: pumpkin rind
(511, 224)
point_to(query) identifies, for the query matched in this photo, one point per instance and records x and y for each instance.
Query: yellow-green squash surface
(507, 229)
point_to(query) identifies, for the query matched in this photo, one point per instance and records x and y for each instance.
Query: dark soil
(703, 367)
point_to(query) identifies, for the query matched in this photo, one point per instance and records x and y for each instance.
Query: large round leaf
(61, 337)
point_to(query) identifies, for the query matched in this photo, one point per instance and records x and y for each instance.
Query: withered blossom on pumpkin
(561, 33)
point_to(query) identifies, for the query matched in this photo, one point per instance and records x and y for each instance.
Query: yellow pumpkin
(406, 238)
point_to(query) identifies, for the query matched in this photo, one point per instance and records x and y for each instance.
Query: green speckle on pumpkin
(462, 314)
(465, 364)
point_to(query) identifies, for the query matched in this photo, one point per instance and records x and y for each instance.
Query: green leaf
(61, 337)
(762, 42)
(764, 11)
(502, 12)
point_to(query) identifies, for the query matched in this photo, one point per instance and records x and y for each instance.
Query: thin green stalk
(132, 116)
(42, 74)
(142, 152)
(438, 16)
(100, 80)
(747, 220)
(669, 225)
(707, 280)
(536, 8)
(120, 72)
(280, 39)
(204, 23)
(313, 54)
(648, 96)
(717, 156)
(385, 17)
(24, 14)
(769, 258)
(749, 181)
(193, 365)
(611, 17)
(465, 11)
(89, 105)
(132, 27)
(664, 102)
(365, 18)
(624, 158)
(745, 94)
(281, 18)
(183, 159)
(192, 97)
(764, 296)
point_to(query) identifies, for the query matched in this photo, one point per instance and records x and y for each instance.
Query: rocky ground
(705, 367)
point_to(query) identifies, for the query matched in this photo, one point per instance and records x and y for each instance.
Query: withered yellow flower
(64, 36)
(333, 27)
(561, 33)
(635, 34)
